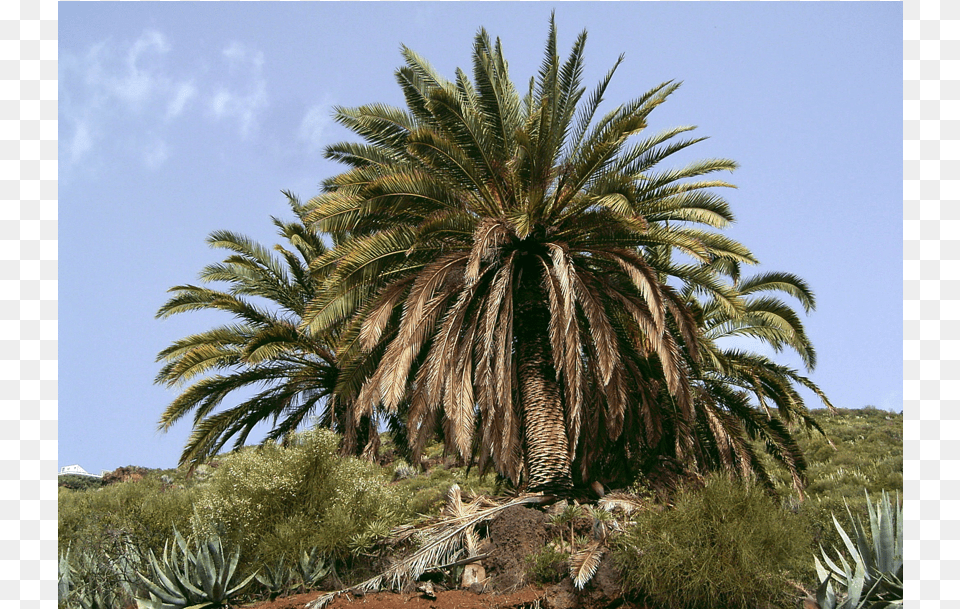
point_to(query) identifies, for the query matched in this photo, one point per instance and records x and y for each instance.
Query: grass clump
(864, 452)
(548, 566)
(725, 545)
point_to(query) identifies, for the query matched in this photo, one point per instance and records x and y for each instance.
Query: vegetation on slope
(275, 503)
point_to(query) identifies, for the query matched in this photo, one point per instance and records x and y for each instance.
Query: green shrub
(145, 511)
(427, 492)
(110, 530)
(548, 566)
(272, 501)
(726, 545)
(78, 483)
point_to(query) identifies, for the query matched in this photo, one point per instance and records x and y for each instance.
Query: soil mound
(514, 534)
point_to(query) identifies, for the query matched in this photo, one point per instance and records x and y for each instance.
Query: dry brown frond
(489, 236)
(583, 564)
(445, 538)
(416, 325)
(621, 501)
(600, 329)
(376, 321)
(645, 280)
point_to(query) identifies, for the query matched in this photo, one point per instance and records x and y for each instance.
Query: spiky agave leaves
(99, 578)
(63, 576)
(876, 577)
(312, 567)
(197, 578)
(275, 577)
(89, 580)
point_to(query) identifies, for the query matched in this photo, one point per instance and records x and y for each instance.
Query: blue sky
(177, 119)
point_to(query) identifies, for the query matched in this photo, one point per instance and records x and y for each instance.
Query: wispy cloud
(113, 93)
(156, 155)
(138, 83)
(242, 101)
(110, 85)
(313, 125)
(80, 141)
(185, 92)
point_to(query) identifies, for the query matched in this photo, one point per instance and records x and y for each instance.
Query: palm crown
(514, 273)
(293, 375)
(509, 261)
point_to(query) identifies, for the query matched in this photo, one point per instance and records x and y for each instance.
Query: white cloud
(147, 41)
(184, 93)
(313, 125)
(220, 104)
(111, 84)
(239, 56)
(138, 83)
(244, 101)
(137, 90)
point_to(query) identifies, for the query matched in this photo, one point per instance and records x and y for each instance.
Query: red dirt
(451, 599)
(526, 598)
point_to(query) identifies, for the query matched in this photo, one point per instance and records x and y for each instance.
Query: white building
(76, 470)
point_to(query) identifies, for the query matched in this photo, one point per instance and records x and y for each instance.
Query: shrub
(272, 501)
(145, 512)
(548, 566)
(78, 483)
(725, 545)
(427, 492)
(106, 532)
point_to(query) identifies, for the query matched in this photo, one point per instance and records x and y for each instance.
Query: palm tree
(760, 394)
(500, 259)
(292, 374)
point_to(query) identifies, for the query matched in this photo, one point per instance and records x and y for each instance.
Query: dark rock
(514, 534)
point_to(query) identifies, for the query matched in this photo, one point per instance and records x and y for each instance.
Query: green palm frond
(291, 373)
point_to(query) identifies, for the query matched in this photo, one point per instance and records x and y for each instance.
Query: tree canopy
(515, 272)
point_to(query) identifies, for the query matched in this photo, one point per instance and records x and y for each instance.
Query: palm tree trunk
(545, 446)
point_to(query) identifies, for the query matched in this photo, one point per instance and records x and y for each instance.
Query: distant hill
(867, 452)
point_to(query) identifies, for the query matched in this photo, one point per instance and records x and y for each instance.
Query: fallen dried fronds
(444, 538)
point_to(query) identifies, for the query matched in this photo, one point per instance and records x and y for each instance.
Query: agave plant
(875, 580)
(275, 577)
(312, 567)
(197, 579)
(63, 577)
(97, 580)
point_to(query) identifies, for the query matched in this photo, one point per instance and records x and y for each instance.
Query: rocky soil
(510, 537)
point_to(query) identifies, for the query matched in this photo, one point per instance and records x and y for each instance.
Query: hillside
(276, 502)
